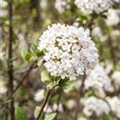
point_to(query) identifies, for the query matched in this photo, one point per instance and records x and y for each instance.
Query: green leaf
(45, 77)
(67, 84)
(23, 52)
(36, 111)
(107, 117)
(1, 64)
(40, 63)
(26, 55)
(2, 116)
(33, 49)
(20, 114)
(50, 116)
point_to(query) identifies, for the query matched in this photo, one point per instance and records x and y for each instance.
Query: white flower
(39, 96)
(3, 3)
(43, 4)
(93, 105)
(98, 32)
(48, 109)
(116, 77)
(112, 17)
(3, 88)
(115, 105)
(82, 118)
(3, 13)
(99, 80)
(90, 6)
(68, 51)
(71, 104)
(117, 1)
(115, 33)
(58, 107)
(62, 5)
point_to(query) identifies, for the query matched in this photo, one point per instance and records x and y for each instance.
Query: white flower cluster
(68, 51)
(90, 6)
(99, 80)
(62, 5)
(93, 105)
(115, 105)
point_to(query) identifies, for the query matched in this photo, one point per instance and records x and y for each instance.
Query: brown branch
(58, 103)
(45, 102)
(80, 94)
(10, 56)
(90, 22)
(20, 83)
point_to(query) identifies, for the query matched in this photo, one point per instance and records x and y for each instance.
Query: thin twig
(80, 94)
(20, 83)
(58, 103)
(45, 102)
(10, 56)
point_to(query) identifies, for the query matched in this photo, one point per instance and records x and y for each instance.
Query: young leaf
(40, 63)
(36, 111)
(106, 117)
(20, 114)
(50, 116)
(26, 55)
(33, 49)
(45, 78)
(2, 116)
(67, 84)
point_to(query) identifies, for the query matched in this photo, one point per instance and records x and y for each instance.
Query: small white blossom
(48, 109)
(3, 88)
(71, 104)
(116, 77)
(117, 1)
(39, 96)
(3, 13)
(99, 80)
(62, 5)
(3, 3)
(43, 3)
(93, 105)
(82, 118)
(115, 105)
(58, 107)
(90, 6)
(115, 33)
(112, 17)
(98, 32)
(68, 51)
